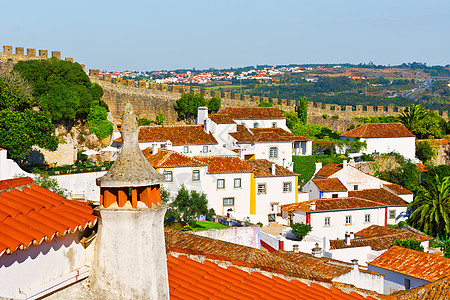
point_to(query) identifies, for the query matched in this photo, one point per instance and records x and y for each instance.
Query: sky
(175, 34)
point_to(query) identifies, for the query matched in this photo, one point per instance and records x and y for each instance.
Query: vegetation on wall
(305, 166)
(98, 123)
(405, 174)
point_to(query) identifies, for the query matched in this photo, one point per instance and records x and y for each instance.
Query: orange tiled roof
(177, 134)
(225, 164)
(263, 168)
(329, 185)
(398, 189)
(169, 159)
(413, 263)
(328, 170)
(327, 204)
(30, 214)
(191, 279)
(379, 195)
(436, 290)
(421, 167)
(379, 130)
(265, 135)
(252, 113)
(378, 238)
(221, 119)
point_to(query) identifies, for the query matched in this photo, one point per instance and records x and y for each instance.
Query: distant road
(440, 77)
(423, 86)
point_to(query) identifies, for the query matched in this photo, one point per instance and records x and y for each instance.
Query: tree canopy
(188, 105)
(409, 243)
(61, 88)
(424, 124)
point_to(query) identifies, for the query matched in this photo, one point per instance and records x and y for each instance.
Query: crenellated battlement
(236, 99)
(8, 55)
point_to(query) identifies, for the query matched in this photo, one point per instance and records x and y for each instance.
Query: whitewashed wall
(246, 236)
(394, 281)
(35, 267)
(81, 185)
(9, 168)
(363, 280)
(274, 193)
(263, 123)
(183, 176)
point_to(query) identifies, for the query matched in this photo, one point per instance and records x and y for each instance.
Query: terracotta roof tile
(329, 185)
(169, 159)
(328, 170)
(376, 230)
(398, 189)
(379, 130)
(263, 168)
(15, 182)
(221, 119)
(264, 135)
(34, 214)
(225, 164)
(327, 204)
(436, 290)
(379, 195)
(413, 263)
(252, 113)
(177, 134)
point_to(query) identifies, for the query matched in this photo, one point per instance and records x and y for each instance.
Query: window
(334, 195)
(287, 187)
(274, 125)
(392, 214)
(186, 149)
(355, 187)
(195, 175)
(169, 176)
(348, 220)
(327, 221)
(367, 218)
(273, 152)
(220, 183)
(255, 125)
(237, 183)
(228, 201)
(407, 284)
(205, 149)
(261, 188)
(163, 146)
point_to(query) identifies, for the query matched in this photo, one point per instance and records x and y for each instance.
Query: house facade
(384, 138)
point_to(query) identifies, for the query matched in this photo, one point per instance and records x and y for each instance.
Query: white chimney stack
(318, 167)
(202, 116)
(347, 238)
(273, 169)
(312, 206)
(355, 264)
(317, 251)
(344, 162)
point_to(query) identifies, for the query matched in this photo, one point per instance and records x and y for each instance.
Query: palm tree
(431, 207)
(411, 116)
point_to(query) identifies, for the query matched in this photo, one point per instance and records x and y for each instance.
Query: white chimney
(317, 251)
(347, 239)
(344, 162)
(312, 206)
(352, 235)
(295, 248)
(202, 116)
(273, 169)
(355, 264)
(318, 167)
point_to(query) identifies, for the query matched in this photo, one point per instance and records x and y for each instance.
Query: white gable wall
(394, 281)
(274, 194)
(262, 151)
(351, 176)
(263, 123)
(183, 176)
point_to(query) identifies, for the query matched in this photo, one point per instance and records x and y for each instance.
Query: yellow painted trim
(296, 189)
(252, 194)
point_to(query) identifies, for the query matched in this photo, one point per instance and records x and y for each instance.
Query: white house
(227, 184)
(274, 186)
(342, 180)
(406, 268)
(178, 169)
(42, 247)
(384, 138)
(187, 139)
(369, 243)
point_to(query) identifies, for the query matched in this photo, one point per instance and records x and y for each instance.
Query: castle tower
(130, 256)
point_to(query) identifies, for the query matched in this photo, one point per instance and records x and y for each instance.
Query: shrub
(305, 166)
(409, 243)
(301, 230)
(97, 122)
(445, 248)
(424, 151)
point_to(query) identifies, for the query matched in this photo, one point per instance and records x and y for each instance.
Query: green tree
(15, 92)
(265, 104)
(405, 174)
(302, 110)
(188, 105)
(98, 123)
(411, 116)
(189, 204)
(62, 88)
(445, 248)
(424, 151)
(291, 119)
(300, 230)
(431, 207)
(160, 118)
(423, 124)
(410, 243)
(214, 104)
(45, 181)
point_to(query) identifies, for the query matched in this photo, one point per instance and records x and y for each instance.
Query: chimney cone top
(131, 169)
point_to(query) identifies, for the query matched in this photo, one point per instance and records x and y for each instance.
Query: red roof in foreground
(32, 214)
(190, 279)
(413, 263)
(379, 130)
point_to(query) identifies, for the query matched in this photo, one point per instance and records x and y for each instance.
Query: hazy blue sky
(153, 35)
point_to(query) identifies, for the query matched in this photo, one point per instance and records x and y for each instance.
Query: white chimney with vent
(344, 162)
(348, 238)
(355, 264)
(316, 251)
(273, 169)
(202, 117)
(312, 206)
